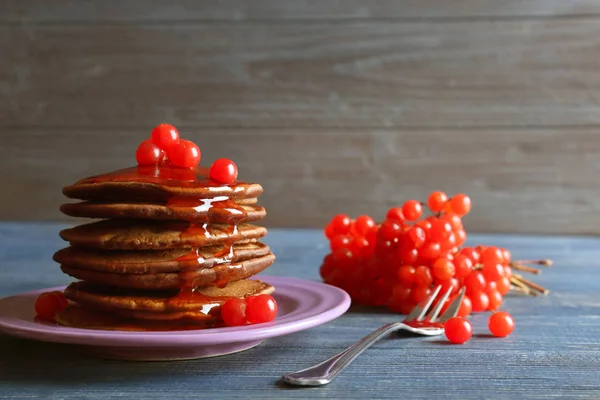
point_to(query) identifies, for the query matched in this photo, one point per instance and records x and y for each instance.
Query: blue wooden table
(553, 353)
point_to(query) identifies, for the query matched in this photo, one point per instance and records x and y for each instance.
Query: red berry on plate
(458, 330)
(412, 210)
(224, 170)
(48, 304)
(165, 136)
(437, 201)
(261, 308)
(185, 154)
(501, 324)
(148, 153)
(233, 312)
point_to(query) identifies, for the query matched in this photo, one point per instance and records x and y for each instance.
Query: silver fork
(420, 321)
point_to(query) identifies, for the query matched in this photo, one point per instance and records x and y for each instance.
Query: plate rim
(284, 325)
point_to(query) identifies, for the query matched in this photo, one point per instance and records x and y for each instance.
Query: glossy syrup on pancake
(165, 175)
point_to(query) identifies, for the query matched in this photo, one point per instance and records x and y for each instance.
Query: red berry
(462, 265)
(492, 254)
(471, 253)
(440, 230)
(461, 237)
(501, 324)
(148, 153)
(437, 201)
(406, 274)
(389, 230)
(495, 299)
(466, 307)
(48, 304)
(233, 312)
(460, 204)
(417, 236)
(458, 330)
(506, 255)
(361, 247)
(224, 171)
(340, 224)
(475, 282)
(342, 257)
(261, 308)
(430, 250)
(454, 221)
(419, 293)
(329, 233)
(503, 285)
(407, 255)
(423, 276)
(508, 271)
(362, 226)
(165, 136)
(443, 269)
(185, 154)
(395, 214)
(480, 301)
(492, 271)
(412, 210)
(339, 242)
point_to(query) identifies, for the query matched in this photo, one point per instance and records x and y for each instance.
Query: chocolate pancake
(76, 316)
(153, 183)
(203, 304)
(156, 261)
(157, 235)
(191, 210)
(219, 275)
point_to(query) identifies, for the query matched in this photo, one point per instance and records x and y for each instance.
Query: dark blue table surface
(553, 353)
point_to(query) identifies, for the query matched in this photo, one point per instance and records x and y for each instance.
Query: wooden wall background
(332, 105)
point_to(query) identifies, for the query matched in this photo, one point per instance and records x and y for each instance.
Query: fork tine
(433, 314)
(453, 308)
(418, 313)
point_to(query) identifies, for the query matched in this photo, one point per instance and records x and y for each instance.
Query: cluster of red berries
(398, 263)
(459, 330)
(48, 304)
(165, 145)
(252, 310)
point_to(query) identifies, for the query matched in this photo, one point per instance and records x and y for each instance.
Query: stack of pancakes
(171, 246)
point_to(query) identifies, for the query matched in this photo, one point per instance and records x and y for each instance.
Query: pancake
(153, 183)
(218, 275)
(200, 211)
(203, 304)
(155, 261)
(157, 235)
(76, 316)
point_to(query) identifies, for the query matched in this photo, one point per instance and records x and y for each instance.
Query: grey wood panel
(473, 74)
(533, 180)
(28, 11)
(554, 351)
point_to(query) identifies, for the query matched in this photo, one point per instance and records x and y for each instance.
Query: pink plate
(302, 305)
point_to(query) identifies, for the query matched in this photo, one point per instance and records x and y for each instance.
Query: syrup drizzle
(221, 207)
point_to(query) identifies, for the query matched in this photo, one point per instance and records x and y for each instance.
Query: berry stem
(522, 287)
(525, 268)
(546, 262)
(532, 285)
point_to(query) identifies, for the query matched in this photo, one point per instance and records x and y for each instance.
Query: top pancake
(157, 183)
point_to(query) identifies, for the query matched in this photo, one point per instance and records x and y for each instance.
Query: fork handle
(326, 371)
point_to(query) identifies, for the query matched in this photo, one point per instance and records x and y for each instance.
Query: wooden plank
(522, 181)
(477, 74)
(36, 11)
